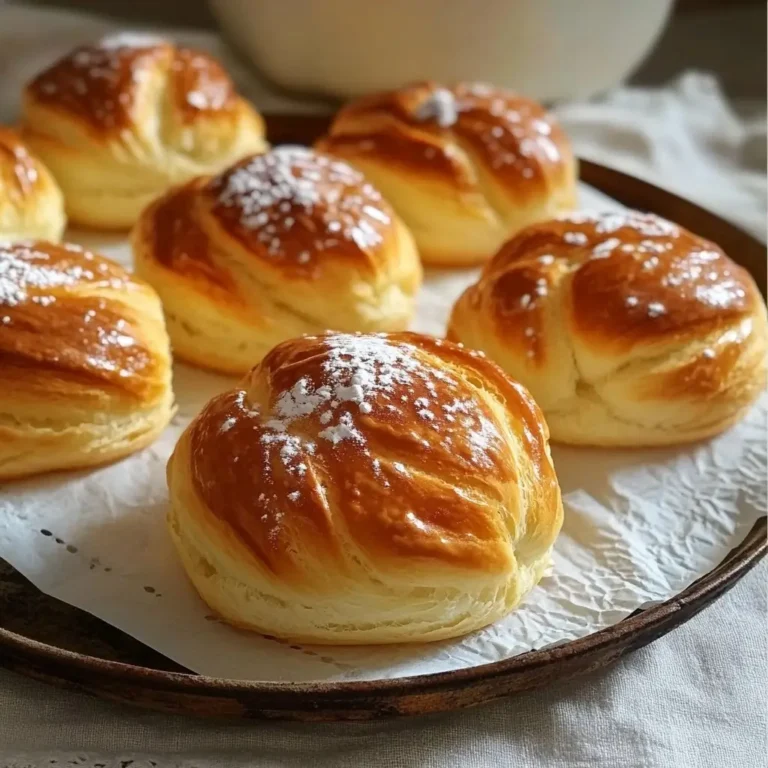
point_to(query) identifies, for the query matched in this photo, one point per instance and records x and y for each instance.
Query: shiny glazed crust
(465, 166)
(281, 244)
(627, 329)
(86, 374)
(120, 121)
(31, 204)
(366, 488)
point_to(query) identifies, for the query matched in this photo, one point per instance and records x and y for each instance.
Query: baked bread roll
(465, 167)
(281, 244)
(366, 488)
(86, 370)
(120, 121)
(31, 205)
(627, 329)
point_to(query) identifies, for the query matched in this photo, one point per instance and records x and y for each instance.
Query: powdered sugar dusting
(692, 273)
(197, 99)
(23, 268)
(482, 439)
(483, 90)
(103, 79)
(575, 238)
(440, 106)
(228, 424)
(646, 224)
(344, 429)
(24, 166)
(91, 79)
(604, 249)
(722, 294)
(363, 376)
(130, 40)
(515, 133)
(209, 87)
(321, 201)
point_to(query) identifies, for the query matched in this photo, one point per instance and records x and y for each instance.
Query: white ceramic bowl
(548, 49)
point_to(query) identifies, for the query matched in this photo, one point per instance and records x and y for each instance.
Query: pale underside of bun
(465, 167)
(229, 339)
(120, 124)
(53, 444)
(628, 330)
(365, 618)
(455, 228)
(308, 534)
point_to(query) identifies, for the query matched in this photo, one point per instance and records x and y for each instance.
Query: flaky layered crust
(120, 121)
(85, 360)
(627, 329)
(465, 166)
(31, 204)
(281, 244)
(366, 489)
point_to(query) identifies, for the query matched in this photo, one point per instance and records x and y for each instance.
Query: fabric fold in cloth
(685, 138)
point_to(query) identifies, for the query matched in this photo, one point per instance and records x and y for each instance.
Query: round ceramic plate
(57, 643)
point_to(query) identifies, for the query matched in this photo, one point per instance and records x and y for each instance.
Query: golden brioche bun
(366, 488)
(120, 121)
(627, 329)
(31, 204)
(281, 244)
(465, 166)
(85, 360)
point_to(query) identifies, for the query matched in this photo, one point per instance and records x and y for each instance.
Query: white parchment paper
(639, 527)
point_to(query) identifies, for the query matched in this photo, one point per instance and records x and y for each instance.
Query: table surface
(694, 698)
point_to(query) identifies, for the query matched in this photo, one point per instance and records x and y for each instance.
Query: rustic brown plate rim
(642, 627)
(751, 550)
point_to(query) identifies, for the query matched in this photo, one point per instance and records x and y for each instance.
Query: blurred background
(724, 37)
(672, 91)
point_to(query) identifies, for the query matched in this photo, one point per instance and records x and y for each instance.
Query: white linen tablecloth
(694, 699)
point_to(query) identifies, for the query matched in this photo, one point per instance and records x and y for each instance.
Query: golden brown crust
(428, 128)
(280, 244)
(59, 320)
(630, 309)
(421, 153)
(201, 84)
(122, 120)
(437, 426)
(85, 360)
(100, 82)
(290, 205)
(18, 170)
(492, 157)
(179, 244)
(633, 279)
(351, 465)
(30, 201)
